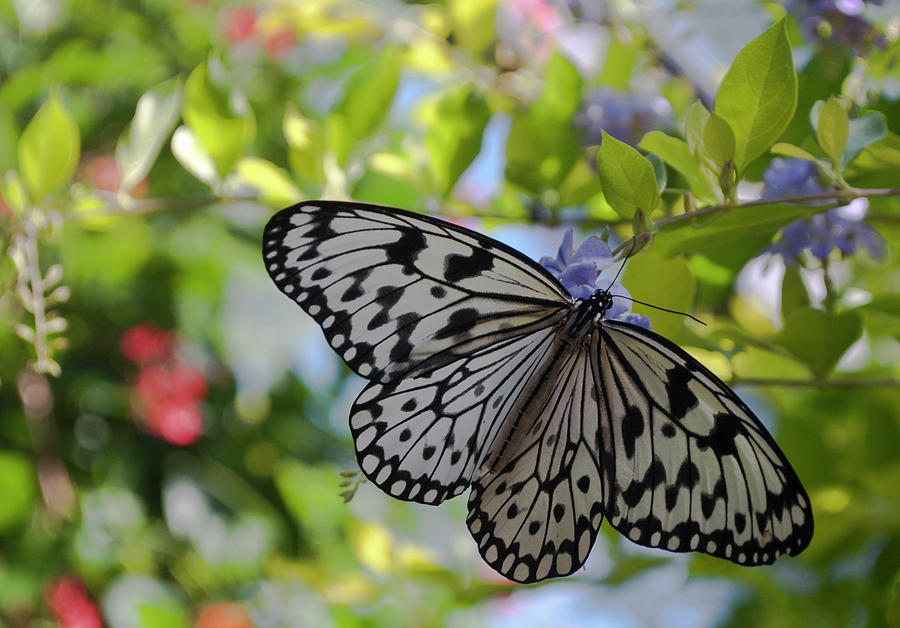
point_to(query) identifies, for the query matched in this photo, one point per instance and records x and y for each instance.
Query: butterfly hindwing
(688, 465)
(535, 510)
(397, 293)
(422, 439)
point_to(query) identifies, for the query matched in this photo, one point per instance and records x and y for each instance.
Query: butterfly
(485, 373)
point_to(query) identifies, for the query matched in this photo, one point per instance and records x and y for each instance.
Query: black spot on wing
(459, 322)
(458, 267)
(405, 250)
(681, 399)
(722, 436)
(632, 427)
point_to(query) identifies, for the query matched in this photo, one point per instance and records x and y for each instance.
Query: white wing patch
(398, 294)
(687, 463)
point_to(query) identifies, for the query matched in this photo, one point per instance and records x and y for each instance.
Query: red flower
(280, 42)
(239, 23)
(223, 615)
(146, 343)
(71, 605)
(169, 402)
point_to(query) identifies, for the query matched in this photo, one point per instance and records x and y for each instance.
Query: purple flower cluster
(840, 228)
(626, 117)
(838, 22)
(578, 271)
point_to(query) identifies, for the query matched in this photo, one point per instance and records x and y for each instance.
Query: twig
(860, 382)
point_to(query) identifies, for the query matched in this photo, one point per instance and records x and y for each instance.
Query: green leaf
(305, 146)
(793, 292)
(18, 485)
(819, 339)
(718, 142)
(862, 132)
(759, 94)
(154, 117)
(453, 140)
(13, 192)
(694, 124)
(832, 130)
(659, 171)
(369, 93)
(628, 180)
(677, 154)
(666, 283)
(539, 156)
(473, 24)
(790, 150)
(167, 614)
(220, 119)
(48, 149)
(273, 184)
(728, 226)
(561, 95)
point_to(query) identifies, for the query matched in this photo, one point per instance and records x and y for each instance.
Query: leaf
(659, 171)
(473, 24)
(666, 283)
(819, 339)
(677, 154)
(862, 132)
(832, 130)
(18, 485)
(154, 117)
(220, 119)
(793, 292)
(539, 156)
(49, 149)
(759, 94)
(790, 150)
(718, 142)
(305, 145)
(273, 184)
(628, 180)
(453, 140)
(686, 237)
(369, 93)
(191, 154)
(561, 94)
(694, 124)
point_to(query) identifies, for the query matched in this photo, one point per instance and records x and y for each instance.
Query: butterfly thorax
(587, 311)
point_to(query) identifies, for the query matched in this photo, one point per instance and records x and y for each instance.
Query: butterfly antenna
(624, 259)
(663, 309)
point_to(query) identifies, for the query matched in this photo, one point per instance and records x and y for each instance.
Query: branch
(855, 382)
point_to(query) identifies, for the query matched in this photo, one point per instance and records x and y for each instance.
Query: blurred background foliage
(173, 440)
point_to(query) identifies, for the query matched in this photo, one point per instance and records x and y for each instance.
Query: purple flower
(578, 270)
(836, 22)
(791, 177)
(626, 117)
(841, 228)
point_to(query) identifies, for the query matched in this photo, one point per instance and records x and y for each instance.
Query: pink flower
(280, 42)
(239, 24)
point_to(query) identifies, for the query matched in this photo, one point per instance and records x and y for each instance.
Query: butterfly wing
(535, 510)
(687, 464)
(399, 294)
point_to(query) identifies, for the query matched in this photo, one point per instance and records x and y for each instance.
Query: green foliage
(173, 434)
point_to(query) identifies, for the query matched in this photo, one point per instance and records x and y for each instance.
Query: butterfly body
(485, 373)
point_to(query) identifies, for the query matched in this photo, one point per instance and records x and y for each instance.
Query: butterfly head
(589, 310)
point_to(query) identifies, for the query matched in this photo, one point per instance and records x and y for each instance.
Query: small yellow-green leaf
(677, 154)
(758, 95)
(790, 150)
(455, 139)
(48, 149)
(832, 130)
(694, 123)
(473, 24)
(18, 485)
(220, 119)
(627, 178)
(369, 92)
(274, 186)
(13, 192)
(718, 142)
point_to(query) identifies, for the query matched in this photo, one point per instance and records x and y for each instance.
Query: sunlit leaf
(832, 130)
(628, 180)
(18, 485)
(759, 94)
(453, 139)
(819, 339)
(48, 149)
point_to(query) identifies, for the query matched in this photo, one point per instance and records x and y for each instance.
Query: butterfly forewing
(535, 510)
(688, 465)
(398, 294)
